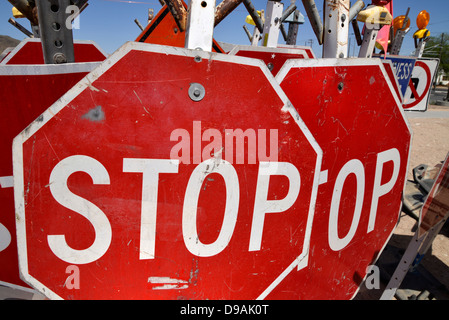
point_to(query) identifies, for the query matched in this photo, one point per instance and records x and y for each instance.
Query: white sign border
(334, 62)
(19, 191)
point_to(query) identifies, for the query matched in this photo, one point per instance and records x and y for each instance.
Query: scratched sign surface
(193, 178)
(29, 52)
(356, 117)
(26, 92)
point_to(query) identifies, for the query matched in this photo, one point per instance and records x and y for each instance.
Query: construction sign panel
(436, 205)
(26, 91)
(416, 98)
(143, 186)
(403, 67)
(354, 113)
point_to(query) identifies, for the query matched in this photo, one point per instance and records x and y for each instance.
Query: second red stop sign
(352, 109)
(166, 173)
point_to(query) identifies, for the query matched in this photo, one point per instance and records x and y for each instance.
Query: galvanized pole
(336, 29)
(257, 33)
(56, 32)
(293, 27)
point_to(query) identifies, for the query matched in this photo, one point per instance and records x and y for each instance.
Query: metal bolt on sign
(196, 92)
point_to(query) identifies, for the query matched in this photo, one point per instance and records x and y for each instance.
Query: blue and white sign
(404, 67)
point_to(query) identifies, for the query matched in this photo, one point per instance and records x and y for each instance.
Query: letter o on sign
(353, 166)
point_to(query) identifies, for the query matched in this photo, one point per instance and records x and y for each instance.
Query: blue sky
(110, 23)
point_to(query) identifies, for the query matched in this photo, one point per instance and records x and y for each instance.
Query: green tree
(438, 47)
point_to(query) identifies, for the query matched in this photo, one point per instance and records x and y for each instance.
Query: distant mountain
(7, 41)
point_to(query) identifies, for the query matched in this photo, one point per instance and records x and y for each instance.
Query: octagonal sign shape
(354, 113)
(274, 58)
(26, 91)
(166, 173)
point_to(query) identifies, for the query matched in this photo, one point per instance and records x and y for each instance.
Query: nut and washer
(196, 92)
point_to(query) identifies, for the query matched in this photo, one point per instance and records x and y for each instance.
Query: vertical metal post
(293, 29)
(200, 24)
(56, 31)
(336, 29)
(399, 36)
(397, 42)
(420, 44)
(420, 49)
(294, 20)
(369, 41)
(272, 23)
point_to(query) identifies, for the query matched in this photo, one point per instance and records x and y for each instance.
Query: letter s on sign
(61, 193)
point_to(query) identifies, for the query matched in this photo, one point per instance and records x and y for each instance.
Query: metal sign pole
(200, 24)
(336, 28)
(57, 37)
(420, 44)
(399, 36)
(293, 27)
(272, 23)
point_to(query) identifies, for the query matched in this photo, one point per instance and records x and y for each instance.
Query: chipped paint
(167, 283)
(95, 115)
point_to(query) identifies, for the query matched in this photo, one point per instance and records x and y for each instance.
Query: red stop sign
(355, 115)
(274, 58)
(26, 91)
(29, 52)
(166, 173)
